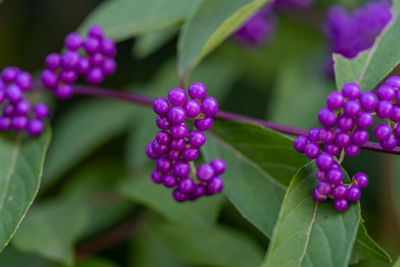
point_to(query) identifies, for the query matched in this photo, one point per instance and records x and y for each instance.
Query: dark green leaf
(123, 19)
(140, 188)
(309, 233)
(210, 24)
(96, 262)
(52, 228)
(370, 67)
(261, 163)
(11, 257)
(365, 247)
(21, 167)
(218, 246)
(149, 43)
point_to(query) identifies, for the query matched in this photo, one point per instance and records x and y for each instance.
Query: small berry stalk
(175, 148)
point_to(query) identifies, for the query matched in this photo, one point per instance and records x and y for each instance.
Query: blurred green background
(93, 200)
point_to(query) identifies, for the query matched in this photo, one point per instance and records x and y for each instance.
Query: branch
(93, 91)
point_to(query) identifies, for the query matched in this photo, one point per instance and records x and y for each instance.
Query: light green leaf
(261, 163)
(210, 24)
(397, 263)
(123, 19)
(21, 167)
(365, 247)
(309, 233)
(371, 67)
(82, 129)
(52, 228)
(148, 43)
(140, 188)
(218, 246)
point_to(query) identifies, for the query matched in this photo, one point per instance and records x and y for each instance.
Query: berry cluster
(365, 22)
(260, 28)
(17, 112)
(345, 121)
(175, 148)
(92, 58)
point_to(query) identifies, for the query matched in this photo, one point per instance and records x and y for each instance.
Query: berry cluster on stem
(175, 148)
(345, 122)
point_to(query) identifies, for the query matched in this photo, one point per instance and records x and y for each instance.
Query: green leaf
(261, 163)
(397, 263)
(96, 262)
(21, 167)
(140, 188)
(52, 228)
(218, 246)
(82, 129)
(365, 247)
(210, 24)
(11, 257)
(370, 67)
(148, 43)
(123, 19)
(309, 233)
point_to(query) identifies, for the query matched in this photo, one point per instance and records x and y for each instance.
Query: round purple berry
(360, 137)
(312, 150)
(107, 47)
(352, 150)
(13, 93)
(339, 191)
(35, 127)
(327, 117)
(181, 169)
(326, 135)
(190, 154)
(218, 166)
(389, 143)
(177, 115)
(91, 45)
(19, 122)
(150, 152)
(352, 108)
(53, 61)
(368, 101)
(197, 138)
(96, 31)
(64, 91)
(68, 76)
(382, 132)
(24, 81)
(49, 79)
(300, 143)
(108, 66)
(393, 81)
(335, 100)
(351, 90)
(192, 108)
(177, 144)
(203, 124)
(177, 96)
(197, 91)
(83, 66)
(318, 196)
(70, 60)
(174, 155)
(9, 74)
(384, 109)
(186, 185)
(334, 176)
(324, 187)
(320, 175)
(340, 204)
(205, 172)
(73, 41)
(199, 191)
(397, 131)
(353, 193)
(332, 149)
(345, 123)
(364, 120)
(8, 110)
(179, 196)
(94, 76)
(159, 148)
(161, 106)
(342, 139)
(209, 106)
(215, 185)
(163, 164)
(386, 92)
(324, 161)
(5, 124)
(169, 180)
(163, 122)
(23, 107)
(156, 177)
(361, 179)
(163, 138)
(313, 134)
(96, 59)
(395, 114)
(179, 131)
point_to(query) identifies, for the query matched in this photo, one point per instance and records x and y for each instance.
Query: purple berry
(169, 180)
(389, 143)
(107, 47)
(386, 92)
(393, 81)
(8, 110)
(192, 108)
(351, 90)
(159, 148)
(215, 185)
(96, 31)
(382, 132)
(49, 79)
(352, 150)
(397, 131)
(326, 135)
(177, 96)
(197, 91)
(24, 81)
(324, 161)
(161, 106)
(73, 41)
(179, 196)
(35, 127)
(340, 204)
(174, 155)
(197, 138)
(190, 154)
(177, 115)
(205, 172)
(186, 185)
(364, 120)
(313, 134)
(352, 108)
(327, 117)
(360, 137)
(335, 100)
(5, 124)
(334, 176)
(332, 149)
(345, 123)
(181, 169)
(9, 74)
(96, 59)
(384, 109)
(91, 45)
(19, 122)
(368, 101)
(395, 114)
(156, 177)
(179, 131)
(312, 150)
(64, 91)
(13, 93)
(324, 187)
(163, 138)
(70, 60)
(300, 143)
(353, 193)
(83, 66)
(163, 164)
(209, 106)
(163, 122)
(199, 191)
(150, 153)
(342, 139)
(94, 76)
(218, 166)
(320, 175)
(53, 61)
(339, 191)
(68, 76)
(23, 107)
(203, 124)
(318, 196)
(177, 144)
(108, 66)
(361, 179)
